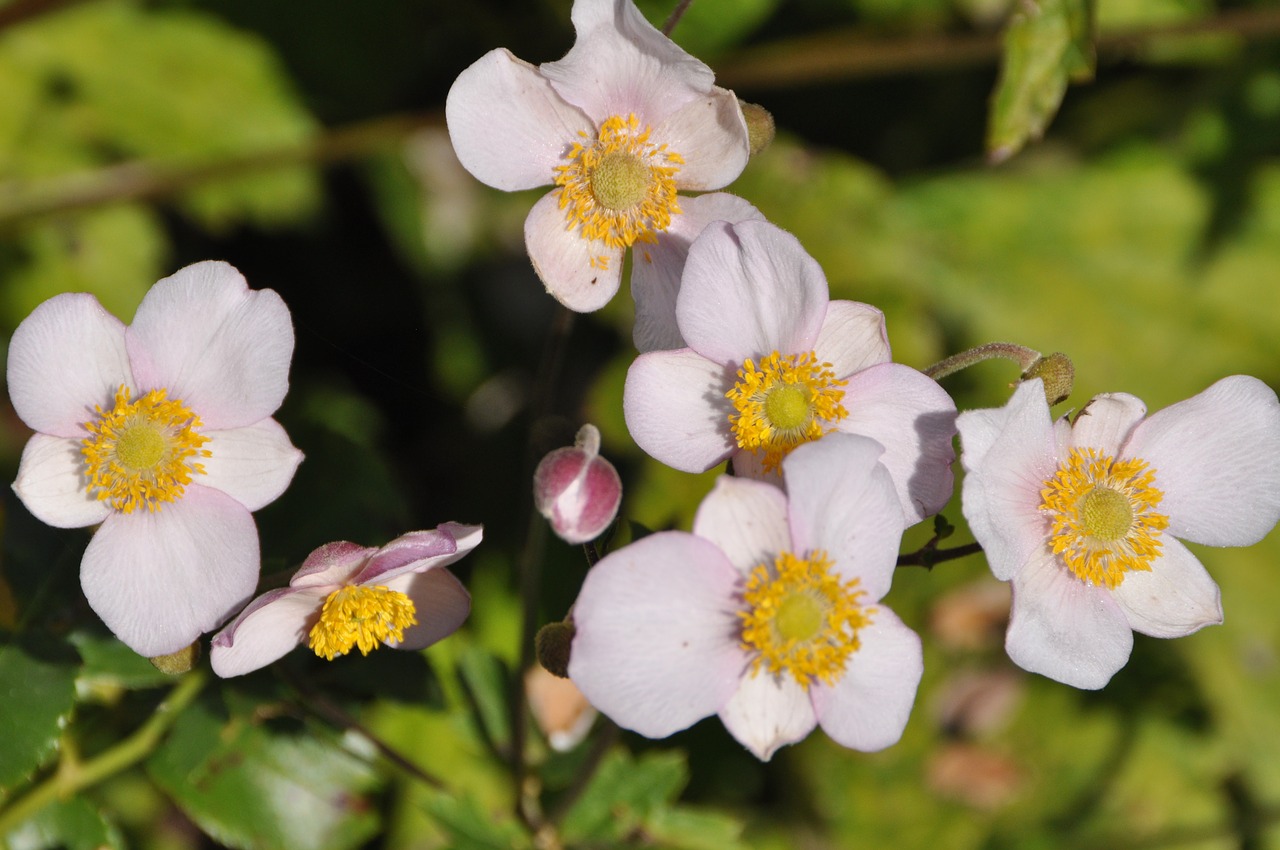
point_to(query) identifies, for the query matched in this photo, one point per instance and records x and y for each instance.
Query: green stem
(71, 779)
(1020, 354)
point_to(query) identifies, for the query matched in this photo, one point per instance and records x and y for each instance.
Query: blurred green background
(304, 143)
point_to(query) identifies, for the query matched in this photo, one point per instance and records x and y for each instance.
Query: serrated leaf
(624, 794)
(37, 693)
(72, 824)
(472, 827)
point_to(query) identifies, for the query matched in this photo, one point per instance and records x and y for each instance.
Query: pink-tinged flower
(162, 432)
(771, 364)
(619, 125)
(1082, 517)
(766, 614)
(577, 490)
(348, 596)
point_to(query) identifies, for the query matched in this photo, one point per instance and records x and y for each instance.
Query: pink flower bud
(577, 490)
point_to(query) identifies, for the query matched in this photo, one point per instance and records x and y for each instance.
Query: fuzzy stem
(1020, 354)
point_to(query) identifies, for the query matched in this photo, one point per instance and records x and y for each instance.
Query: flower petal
(867, 709)
(508, 126)
(65, 359)
(853, 337)
(218, 346)
(332, 564)
(675, 408)
(711, 136)
(842, 501)
(570, 266)
(656, 269)
(656, 647)
(253, 465)
(768, 712)
(420, 551)
(749, 289)
(1106, 422)
(441, 604)
(1065, 629)
(51, 484)
(1001, 495)
(268, 629)
(1175, 598)
(160, 580)
(747, 520)
(1217, 462)
(914, 419)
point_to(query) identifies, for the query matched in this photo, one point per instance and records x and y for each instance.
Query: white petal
(1106, 422)
(420, 551)
(508, 126)
(65, 359)
(767, 713)
(747, 520)
(569, 266)
(1175, 598)
(253, 465)
(843, 502)
(867, 709)
(1217, 462)
(160, 580)
(441, 604)
(656, 269)
(656, 644)
(51, 484)
(1065, 629)
(218, 346)
(853, 337)
(271, 626)
(711, 135)
(675, 407)
(750, 289)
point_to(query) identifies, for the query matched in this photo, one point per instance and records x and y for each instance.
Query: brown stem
(676, 14)
(928, 556)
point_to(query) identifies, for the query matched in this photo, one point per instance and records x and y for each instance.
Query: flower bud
(177, 663)
(577, 490)
(1058, 374)
(760, 126)
(552, 645)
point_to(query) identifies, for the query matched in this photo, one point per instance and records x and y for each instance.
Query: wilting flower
(347, 596)
(771, 364)
(1082, 517)
(619, 125)
(766, 614)
(577, 490)
(161, 432)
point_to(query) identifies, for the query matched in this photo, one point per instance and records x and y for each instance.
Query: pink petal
(914, 419)
(253, 465)
(441, 604)
(1106, 422)
(51, 484)
(160, 580)
(842, 502)
(65, 359)
(656, 646)
(567, 264)
(1217, 462)
(1001, 496)
(768, 712)
(1065, 629)
(213, 343)
(656, 269)
(271, 626)
(419, 551)
(853, 337)
(508, 126)
(1177, 597)
(620, 64)
(749, 289)
(675, 407)
(867, 709)
(332, 565)
(747, 520)
(711, 135)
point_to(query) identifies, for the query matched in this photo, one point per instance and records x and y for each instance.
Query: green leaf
(472, 827)
(109, 664)
(625, 794)
(37, 692)
(710, 26)
(1047, 44)
(691, 829)
(484, 678)
(72, 824)
(253, 788)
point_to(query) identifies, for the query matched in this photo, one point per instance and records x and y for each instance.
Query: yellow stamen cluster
(800, 619)
(362, 617)
(619, 188)
(1104, 521)
(783, 403)
(140, 452)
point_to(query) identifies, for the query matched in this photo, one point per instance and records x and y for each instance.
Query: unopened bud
(552, 645)
(177, 663)
(1058, 374)
(760, 126)
(577, 490)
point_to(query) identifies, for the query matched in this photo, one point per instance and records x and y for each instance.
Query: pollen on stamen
(786, 401)
(363, 617)
(142, 452)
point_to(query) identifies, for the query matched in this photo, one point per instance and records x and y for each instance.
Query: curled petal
(768, 712)
(853, 337)
(420, 551)
(581, 274)
(51, 484)
(1106, 422)
(332, 564)
(265, 631)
